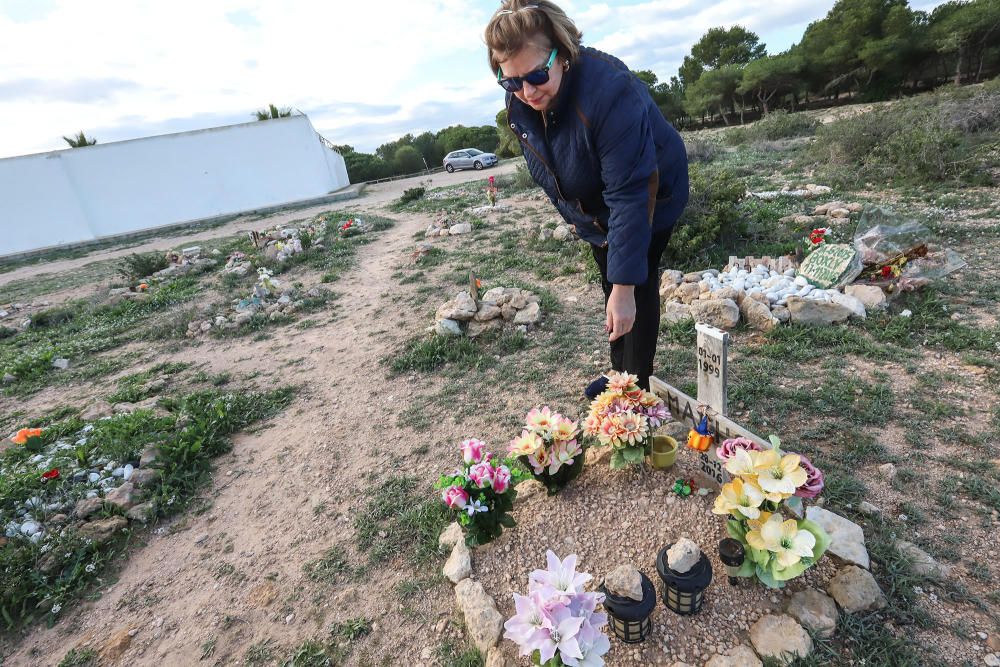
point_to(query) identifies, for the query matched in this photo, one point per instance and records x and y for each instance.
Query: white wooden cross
(713, 376)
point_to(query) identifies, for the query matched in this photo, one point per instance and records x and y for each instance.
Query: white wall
(82, 194)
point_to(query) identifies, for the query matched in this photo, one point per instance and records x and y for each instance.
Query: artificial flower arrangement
(266, 283)
(491, 191)
(350, 228)
(557, 622)
(766, 482)
(816, 238)
(549, 446)
(29, 438)
(624, 417)
(481, 493)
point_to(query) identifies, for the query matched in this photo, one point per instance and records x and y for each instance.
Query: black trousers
(634, 352)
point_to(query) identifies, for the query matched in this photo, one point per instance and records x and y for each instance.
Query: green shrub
(712, 216)
(700, 149)
(776, 125)
(944, 137)
(413, 194)
(523, 179)
(137, 266)
(53, 317)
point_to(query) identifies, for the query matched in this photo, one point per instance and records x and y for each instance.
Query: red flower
(52, 474)
(886, 271)
(817, 235)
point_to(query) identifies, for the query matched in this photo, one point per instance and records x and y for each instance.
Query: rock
(58, 520)
(531, 314)
(781, 314)
(683, 555)
(9, 378)
(482, 620)
(692, 277)
(921, 562)
(687, 292)
(143, 513)
(993, 642)
(124, 497)
(814, 610)
(847, 539)
(856, 307)
(115, 647)
(856, 590)
(739, 656)
(447, 327)
(624, 581)
(674, 277)
(502, 656)
(871, 296)
(451, 536)
(868, 509)
(816, 313)
(887, 470)
(124, 408)
(991, 660)
(97, 410)
(518, 299)
(720, 313)
(149, 456)
(673, 312)
(459, 563)
(496, 295)
(839, 213)
(781, 638)
(466, 305)
(758, 316)
(88, 506)
(508, 312)
(60, 364)
(544, 234)
(487, 312)
(561, 233)
(103, 530)
(461, 228)
(475, 328)
(532, 488)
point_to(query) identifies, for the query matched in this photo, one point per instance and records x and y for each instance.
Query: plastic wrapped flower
(472, 450)
(813, 486)
(728, 448)
(784, 539)
(455, 497)
(739, 498)
(778, 475)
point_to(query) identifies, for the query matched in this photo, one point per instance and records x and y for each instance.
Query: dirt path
(373, 196)
(231, 577)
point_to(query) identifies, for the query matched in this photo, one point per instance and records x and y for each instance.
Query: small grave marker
(831, 265)
(713, 377)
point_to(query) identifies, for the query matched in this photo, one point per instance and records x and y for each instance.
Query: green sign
(831, 265)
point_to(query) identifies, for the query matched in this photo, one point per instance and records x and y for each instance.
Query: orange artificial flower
(26, 434)
(143, 286)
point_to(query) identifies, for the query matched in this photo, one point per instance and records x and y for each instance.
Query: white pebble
(801, 281)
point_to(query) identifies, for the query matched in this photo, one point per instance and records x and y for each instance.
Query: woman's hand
(620, 311)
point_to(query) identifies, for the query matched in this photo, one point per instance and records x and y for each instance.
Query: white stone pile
(446, 227)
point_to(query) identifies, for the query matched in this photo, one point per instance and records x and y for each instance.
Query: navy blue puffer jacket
(609, 161)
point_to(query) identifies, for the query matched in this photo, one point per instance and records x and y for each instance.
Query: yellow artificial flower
(525, 444)
(739, 498)
(778, 475)
(784, 539)
(742, 464)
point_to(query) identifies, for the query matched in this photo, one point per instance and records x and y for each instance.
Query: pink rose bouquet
(480, 493)
(550, 447)
(557, 622)
(728, 448)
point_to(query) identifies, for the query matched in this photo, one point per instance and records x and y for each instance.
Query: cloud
(79, 91)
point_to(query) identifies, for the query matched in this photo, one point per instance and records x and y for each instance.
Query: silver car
(468, 158)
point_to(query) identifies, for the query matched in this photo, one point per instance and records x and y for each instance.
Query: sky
(364, 72)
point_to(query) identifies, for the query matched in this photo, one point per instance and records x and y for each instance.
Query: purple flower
(728, 448)
(813, 485)
(657, 414)
(530, 624)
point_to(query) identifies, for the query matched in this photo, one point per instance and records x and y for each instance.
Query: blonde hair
(519, 23)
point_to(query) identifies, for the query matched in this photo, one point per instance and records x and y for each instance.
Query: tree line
(868, 49)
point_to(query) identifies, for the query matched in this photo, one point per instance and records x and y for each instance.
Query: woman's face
(526, 60)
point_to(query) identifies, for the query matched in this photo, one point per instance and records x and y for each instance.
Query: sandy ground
(373, 196)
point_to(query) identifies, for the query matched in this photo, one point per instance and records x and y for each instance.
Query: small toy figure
(700, 438)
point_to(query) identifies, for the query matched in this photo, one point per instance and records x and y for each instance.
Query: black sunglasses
(538, 77)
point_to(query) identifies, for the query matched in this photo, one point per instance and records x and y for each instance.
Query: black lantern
(629, 619)
(732, 554)
(683, 593)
